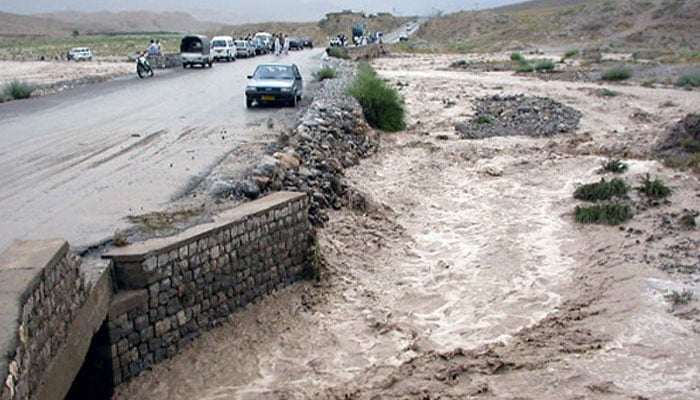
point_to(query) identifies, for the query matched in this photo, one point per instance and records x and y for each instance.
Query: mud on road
(461, 273)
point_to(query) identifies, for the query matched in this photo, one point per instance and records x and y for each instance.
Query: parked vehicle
(80, 54)
(403, 37)
(222, 48)
(307, 42)
(143, 67)
(267, 38)
(195, 49)
(260, 46)
(244, 48)
(274, 84)
(295, 44)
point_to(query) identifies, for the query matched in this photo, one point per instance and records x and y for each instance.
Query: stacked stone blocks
(179, 288)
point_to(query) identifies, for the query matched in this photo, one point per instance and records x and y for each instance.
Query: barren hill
(131, 21)
(14, 25)
(626, 24)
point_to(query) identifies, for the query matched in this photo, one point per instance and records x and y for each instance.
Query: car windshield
(274, 72)
(218, 43)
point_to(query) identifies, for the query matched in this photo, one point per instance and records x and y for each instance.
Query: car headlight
(286, 89)
(250, 88)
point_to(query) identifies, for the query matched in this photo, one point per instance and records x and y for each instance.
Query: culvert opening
(95, 380)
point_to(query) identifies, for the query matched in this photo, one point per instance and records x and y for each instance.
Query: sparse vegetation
(524, 68)
(517, 57)
(603, 190)
(15, 90)
(617, 74)
(483, 119)
(609, 214)
(613, 165)
(691, 162)
(607, 92)
(572, 53)
(327, 72)
(544, 65)
(459, 64)
(381, 104)
(654, 189)
(690, 79)
(680, 298)
(338, 52)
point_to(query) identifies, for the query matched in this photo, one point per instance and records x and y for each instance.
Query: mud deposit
(460, 272)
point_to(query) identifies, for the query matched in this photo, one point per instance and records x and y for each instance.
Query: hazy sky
(291, 10)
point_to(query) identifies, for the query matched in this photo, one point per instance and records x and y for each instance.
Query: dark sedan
(295, 44)
(307, 42)
(274, 84)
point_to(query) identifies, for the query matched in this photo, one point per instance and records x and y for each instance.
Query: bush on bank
(381, 104)
(15, 89)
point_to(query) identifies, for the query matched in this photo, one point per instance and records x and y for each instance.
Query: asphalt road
(74, 164)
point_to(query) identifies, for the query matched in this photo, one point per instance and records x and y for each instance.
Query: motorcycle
(143, 67)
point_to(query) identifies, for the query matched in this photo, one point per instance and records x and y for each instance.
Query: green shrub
(614, 165)
(17, 89)
(327, 72)
(525, 68)
(603, 190)
(610, 214)
(544, 65)
(517, 57)
(459, 64)
(338, 52)
(617, 74)
(607, 92)
(381, 104)
(690, 79)
(680, 298)
(572, 53)
(483, 119)
(654, 189)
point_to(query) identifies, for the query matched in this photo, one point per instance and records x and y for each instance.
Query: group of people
(280, 43)
(154, 48)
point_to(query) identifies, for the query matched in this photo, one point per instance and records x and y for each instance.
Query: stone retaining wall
(43, 323)
(174, 289)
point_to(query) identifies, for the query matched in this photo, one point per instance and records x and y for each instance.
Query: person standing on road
(286, 44)
(277, 45)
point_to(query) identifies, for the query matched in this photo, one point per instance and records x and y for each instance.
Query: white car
(80, 54)
(244, 48)
(222, 48)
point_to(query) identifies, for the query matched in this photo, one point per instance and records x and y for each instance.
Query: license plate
(268, 98)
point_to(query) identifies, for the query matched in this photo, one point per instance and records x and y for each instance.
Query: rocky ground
(454, 268)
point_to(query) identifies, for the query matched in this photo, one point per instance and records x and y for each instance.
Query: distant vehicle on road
(403, 37)
(195, 49)
(295, 44)
(80, 54)
(222, 48)
(260, 46)
(267, 38)
(244, 48)
(274, 84)
(307, 42)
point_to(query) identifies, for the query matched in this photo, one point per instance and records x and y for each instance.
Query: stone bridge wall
(142, 303)
(45, 325)
(172, 290)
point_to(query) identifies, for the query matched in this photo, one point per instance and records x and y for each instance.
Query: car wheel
(248, 102)
(184, 65)
(294, 101)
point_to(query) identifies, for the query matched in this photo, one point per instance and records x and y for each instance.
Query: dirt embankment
(458, 271)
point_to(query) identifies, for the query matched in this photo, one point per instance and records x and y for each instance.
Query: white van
(267, 38)
(222, 48)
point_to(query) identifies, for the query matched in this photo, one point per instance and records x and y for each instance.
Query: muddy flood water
(462, 273)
